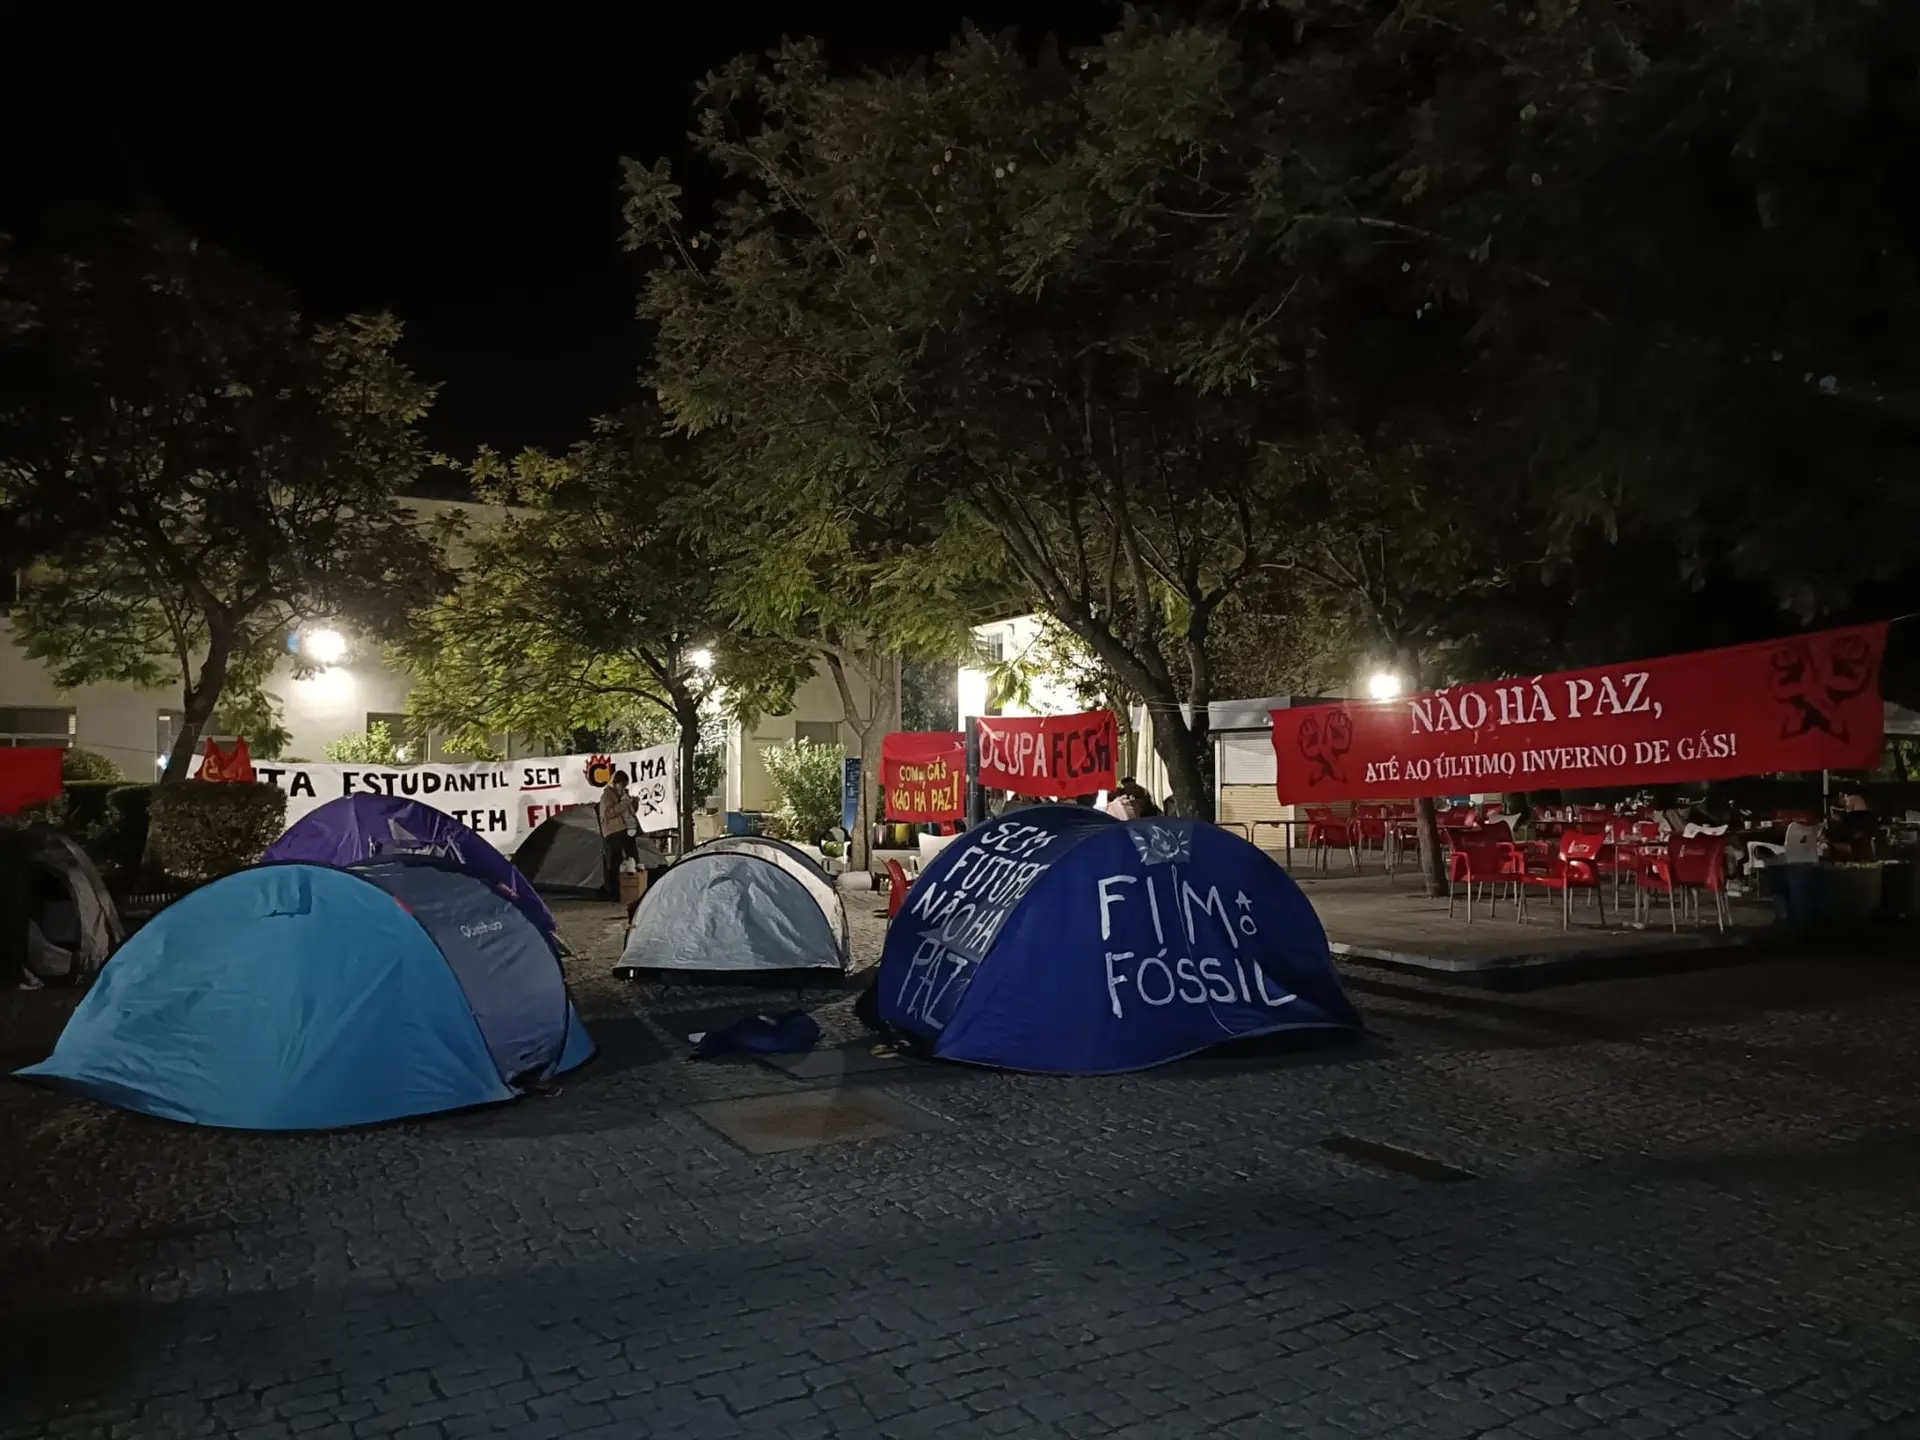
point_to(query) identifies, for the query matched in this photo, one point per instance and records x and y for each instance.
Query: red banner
(1057, 756)
(28, 776)
(924, 774)
(1810, 702)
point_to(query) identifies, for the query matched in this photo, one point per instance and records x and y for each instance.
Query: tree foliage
(586, 605)
(199, 471)
(1477, 336)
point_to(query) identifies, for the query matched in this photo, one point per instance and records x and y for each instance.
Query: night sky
(468, 183)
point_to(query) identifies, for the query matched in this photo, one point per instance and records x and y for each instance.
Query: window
(37, 726)
(992, 647)
(167, 730)
(818, 732)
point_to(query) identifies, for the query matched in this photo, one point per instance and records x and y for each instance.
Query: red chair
(1573, 866)
(1327, 832)
(897, 884)
(1490, 862)
(1371, 823)
(1693, 866)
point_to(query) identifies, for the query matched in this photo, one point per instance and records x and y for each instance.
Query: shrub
(810, 780)
(376, 747)
(87, 802)
(198, 831)
(117, 843)
(78, 764)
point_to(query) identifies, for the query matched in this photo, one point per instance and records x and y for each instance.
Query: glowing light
(1383, 686)
(329, 687)
(972, 695)
(701, 659)
(325, 647)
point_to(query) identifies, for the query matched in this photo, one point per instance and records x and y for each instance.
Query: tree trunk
(879, 674)
(1181, 750)
(202, 695)
(1432, 864)
(687, 712)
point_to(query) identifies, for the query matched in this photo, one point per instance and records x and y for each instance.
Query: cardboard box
(633, 884)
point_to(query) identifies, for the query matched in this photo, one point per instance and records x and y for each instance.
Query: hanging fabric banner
(924, 774)
(28, 776)
(1048, 756)
(502, 801)
(1808, 702)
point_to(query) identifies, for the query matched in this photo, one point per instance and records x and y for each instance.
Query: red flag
(1808, 702)
(233, 766)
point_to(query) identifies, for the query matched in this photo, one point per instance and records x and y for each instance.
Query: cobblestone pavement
(1691, 1212)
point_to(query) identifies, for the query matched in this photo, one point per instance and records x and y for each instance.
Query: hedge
(199, 831)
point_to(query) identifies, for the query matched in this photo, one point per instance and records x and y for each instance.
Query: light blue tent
(1058, 939)
(297, 997)
(739, 903)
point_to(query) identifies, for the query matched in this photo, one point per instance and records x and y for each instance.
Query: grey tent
(61, 923)
(562, 855)
(739, 903)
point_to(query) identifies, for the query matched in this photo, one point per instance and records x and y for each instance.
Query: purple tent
(358, 827)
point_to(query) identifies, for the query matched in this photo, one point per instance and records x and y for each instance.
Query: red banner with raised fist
(924, 774)
(1048, 756)
(1809, 702)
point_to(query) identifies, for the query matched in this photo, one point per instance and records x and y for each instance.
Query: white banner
(504, 801)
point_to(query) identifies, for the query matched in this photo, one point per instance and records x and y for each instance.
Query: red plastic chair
(1489, 862)
(897, 884)
(1688, 869)
(1327, 832)
(1371, 823)
(1573, 866)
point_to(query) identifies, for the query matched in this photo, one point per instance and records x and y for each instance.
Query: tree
(586, 605)
(930, 296)
(199, 472)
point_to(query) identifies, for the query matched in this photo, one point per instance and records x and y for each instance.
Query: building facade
(135, 728)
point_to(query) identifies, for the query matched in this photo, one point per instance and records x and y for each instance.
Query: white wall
(123, 723)
(748, 786)
(119, 721)
(1017, 638)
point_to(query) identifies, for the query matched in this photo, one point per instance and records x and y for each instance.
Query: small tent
(739, 903)
(1061, 940)
(361, 827)
(60, 921)
(562, 855)
(298, 997)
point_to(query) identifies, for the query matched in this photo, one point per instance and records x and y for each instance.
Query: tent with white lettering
(1058, 939)
(739, 903)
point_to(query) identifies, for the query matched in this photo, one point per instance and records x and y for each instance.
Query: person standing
(618, 820)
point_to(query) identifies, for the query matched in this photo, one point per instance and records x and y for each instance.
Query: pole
(976, 797)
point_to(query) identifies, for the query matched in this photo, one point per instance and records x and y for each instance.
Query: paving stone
(1690, 1219)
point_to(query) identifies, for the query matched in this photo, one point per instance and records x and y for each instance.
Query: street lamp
(1383, 686)
(324, 647)
(701, 659)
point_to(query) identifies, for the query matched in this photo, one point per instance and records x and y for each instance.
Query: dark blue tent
(363, 827)
(297, 997)
(1058, 939)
